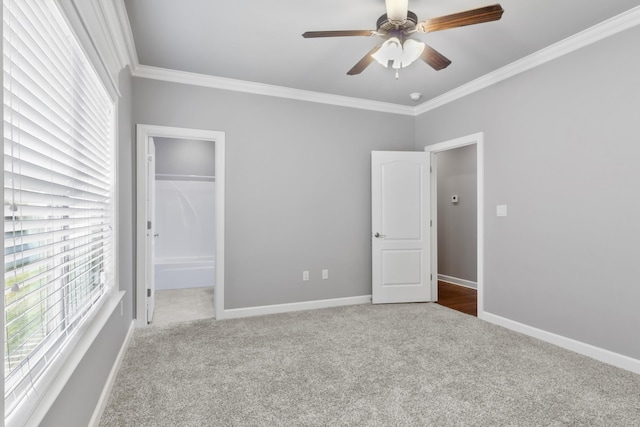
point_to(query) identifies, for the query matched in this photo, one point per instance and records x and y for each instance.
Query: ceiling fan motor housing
(384, 25)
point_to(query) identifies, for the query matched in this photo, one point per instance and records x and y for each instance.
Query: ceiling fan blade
(397, 10)
(469, 17)
(435, 59)
(344, 33)
(364, 62)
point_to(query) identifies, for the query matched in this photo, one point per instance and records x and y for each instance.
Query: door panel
(400, 184)
(401, 200)
(401, 267)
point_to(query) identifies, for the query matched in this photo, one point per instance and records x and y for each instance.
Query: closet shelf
(176, 177)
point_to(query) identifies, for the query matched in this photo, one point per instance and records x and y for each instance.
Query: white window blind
(58, 185)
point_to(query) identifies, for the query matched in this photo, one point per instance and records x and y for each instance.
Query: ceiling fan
(396, 27)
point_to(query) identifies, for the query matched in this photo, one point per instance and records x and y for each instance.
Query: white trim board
(457, 281)
(600, 354)
(617, 24)
(106, 390)
(117, 24)
(236, 313)
(127, 35)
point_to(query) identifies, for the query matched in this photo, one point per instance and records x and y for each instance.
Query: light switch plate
(501, 210)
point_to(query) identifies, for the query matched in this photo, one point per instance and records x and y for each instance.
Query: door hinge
(430, 223)
(430, 169)
(148, 225)
(149, 292)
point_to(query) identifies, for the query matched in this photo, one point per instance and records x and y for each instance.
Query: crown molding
(214, 82)
(610, 27)
(120, 20)
(117, 30)
(106, 38)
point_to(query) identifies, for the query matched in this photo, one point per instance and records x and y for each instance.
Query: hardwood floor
(458, 298)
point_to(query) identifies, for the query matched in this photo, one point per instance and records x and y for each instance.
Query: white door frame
(150, 232)
(478, 139)
(143, 133)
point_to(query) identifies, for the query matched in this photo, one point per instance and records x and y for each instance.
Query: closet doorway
(184, 230)
(457, 193)
(180, 224)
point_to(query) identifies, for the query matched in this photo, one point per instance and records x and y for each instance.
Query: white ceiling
(259, 41)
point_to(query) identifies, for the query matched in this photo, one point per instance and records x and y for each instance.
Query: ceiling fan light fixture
(390, 51)
(397, 55)
(411, 50)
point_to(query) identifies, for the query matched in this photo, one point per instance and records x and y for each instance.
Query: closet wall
(457, 219)
(185, 214)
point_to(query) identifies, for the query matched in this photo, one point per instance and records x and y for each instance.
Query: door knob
(378, 235)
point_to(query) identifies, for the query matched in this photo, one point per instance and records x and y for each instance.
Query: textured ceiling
(258, 41)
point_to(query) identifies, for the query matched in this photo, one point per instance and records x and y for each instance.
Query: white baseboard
(236, 313)
(459, 282)
(606, 356)
(106, 391)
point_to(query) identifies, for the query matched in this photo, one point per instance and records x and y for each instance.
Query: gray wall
(126, 193)
(457, 222)
(185, 157)
(297, 187)
(562, 151)
(77, 401)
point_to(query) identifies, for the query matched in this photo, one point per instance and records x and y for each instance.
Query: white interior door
(151, 224)
(400, 213)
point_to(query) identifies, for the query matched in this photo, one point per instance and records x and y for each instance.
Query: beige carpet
(385, 365)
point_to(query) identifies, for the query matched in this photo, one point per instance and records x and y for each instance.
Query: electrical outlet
(325, 274)
(305, 275)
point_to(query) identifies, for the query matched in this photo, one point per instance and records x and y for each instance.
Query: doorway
(457, 294)
(184, 230)
(188, 184)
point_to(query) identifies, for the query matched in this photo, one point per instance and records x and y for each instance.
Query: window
(58, 191)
